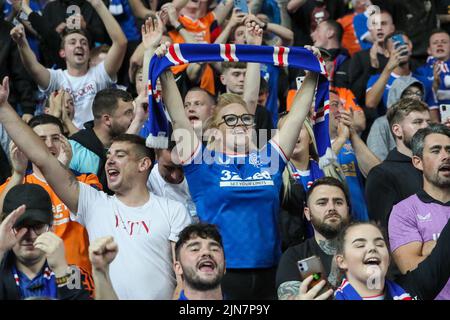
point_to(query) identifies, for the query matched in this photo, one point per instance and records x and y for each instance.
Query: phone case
(313, 266)
(444, 110)
(241, 5)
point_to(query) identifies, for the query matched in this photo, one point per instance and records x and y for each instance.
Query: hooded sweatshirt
(380, 140)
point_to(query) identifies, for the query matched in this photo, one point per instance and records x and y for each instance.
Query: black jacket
(88, 139)
(21, 86)
(293, 224)
(392, 181)
(10, 291)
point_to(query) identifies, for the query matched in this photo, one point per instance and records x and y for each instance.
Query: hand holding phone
(312, 266)
(444, 110)
(241, 5)
(398, 41)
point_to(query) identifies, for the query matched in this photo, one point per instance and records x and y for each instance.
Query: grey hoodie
(380, 140)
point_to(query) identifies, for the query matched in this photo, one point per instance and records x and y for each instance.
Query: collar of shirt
(426, 198)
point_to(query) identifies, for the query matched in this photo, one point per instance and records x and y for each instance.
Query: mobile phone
(241, 5)
(398, 42)
(444, 109)
(299, 81)
(313, 266)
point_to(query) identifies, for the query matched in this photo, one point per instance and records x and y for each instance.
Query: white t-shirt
(159, 186)
(83, 89)
(143, 266)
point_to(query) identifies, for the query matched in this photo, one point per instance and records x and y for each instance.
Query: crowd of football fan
(250, 196)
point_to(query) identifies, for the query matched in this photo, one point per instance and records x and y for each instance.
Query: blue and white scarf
(156, 127)
(347, 292)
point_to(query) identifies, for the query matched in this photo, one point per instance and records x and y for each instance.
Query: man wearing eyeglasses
(32, 257)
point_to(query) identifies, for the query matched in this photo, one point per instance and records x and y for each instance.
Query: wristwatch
(179, 27)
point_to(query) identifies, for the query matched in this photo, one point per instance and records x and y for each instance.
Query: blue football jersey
(240, 194)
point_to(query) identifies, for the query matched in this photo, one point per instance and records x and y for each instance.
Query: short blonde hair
(223, 100)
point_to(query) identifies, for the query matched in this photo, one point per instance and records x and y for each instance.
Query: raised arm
(375, 94)
(252, 80)
(139, 10)
(222, 10)
(287, 136)
(37, 71)
(60, 179)
(184, 134)
(186, 138)
(101, 253)
(116, 53)
(236, 19)
(366, 159)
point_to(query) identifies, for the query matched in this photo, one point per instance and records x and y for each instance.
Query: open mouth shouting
(112, 174)
(372, 261)
(207, 266)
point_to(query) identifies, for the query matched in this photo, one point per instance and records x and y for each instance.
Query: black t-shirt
(287, 268)
(263, 120)
(443, 7)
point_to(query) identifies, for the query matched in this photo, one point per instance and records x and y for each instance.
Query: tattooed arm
(289, 290)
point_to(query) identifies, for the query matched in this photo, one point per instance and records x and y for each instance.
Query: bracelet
(179, 27)
(264, 27)
(61, 281)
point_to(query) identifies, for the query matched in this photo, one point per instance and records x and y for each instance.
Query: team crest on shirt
(424, 218)
(254, 160)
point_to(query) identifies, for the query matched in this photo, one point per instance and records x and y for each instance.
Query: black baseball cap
(37, 201)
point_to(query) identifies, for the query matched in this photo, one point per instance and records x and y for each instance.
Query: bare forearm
(251, 86)
(103, 287)
(222, 10)
(172, 100)
(194, 71)
(287, 136)
(59, 178)
(410, 263)
(444, 18)
(375, 94)
(37, 71)
(294, 5)
(225, 34)
(23, 136)
(187, 36)
(136, 126)
(286, 20)
(179, 4)
(112, 27)
(71, 127)
(286, 35)
(139, 10)
(337, 145)
(366, 159)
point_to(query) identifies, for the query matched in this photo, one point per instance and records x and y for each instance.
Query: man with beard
(113, 114)
(145, 225)
(327, 208)
(395, 179)
(199, 261)
(416, 222)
